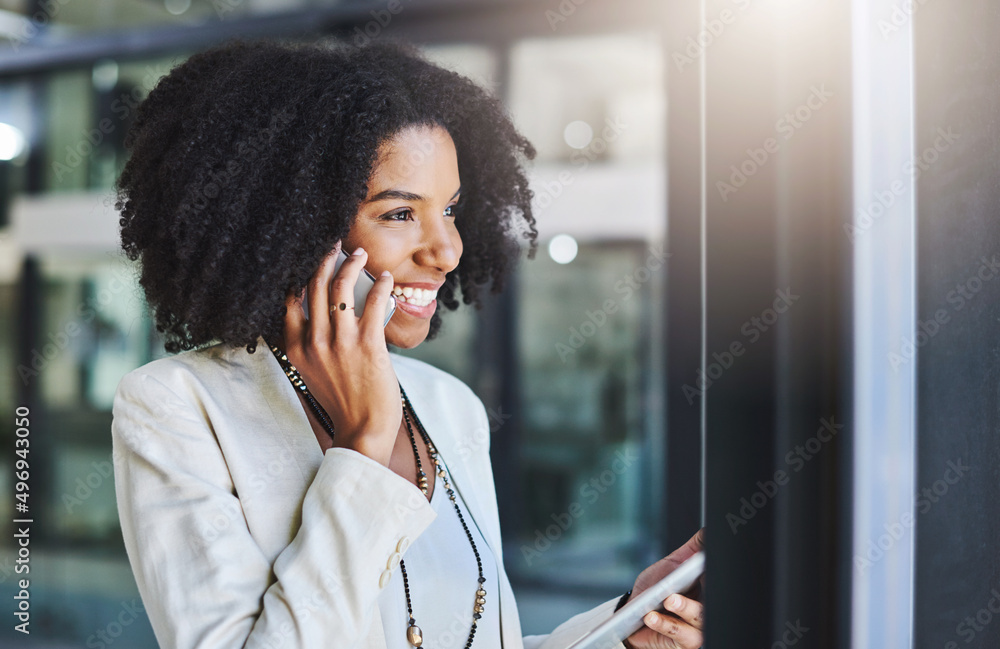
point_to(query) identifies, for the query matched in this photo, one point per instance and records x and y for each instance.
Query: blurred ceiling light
(12, 142)
(563, 248)
(13, 26)
(578, 134)
(177, 7)
(104, 75)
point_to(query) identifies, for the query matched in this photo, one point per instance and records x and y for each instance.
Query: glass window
(589, 305)
(61, 20)
(89, 112)
(588, 373)
(93, 311)
(69, 119)
(19, 128)
(93, 328)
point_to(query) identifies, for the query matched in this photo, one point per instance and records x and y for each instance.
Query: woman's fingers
(319, 299)
(342, 291)
(355, 383)
(687, 609)
(678, 629)
(695, 544)
(683, 634)
(375, 307)
(669, 563)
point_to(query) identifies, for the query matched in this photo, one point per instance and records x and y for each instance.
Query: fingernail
(358, 251)
(674, 602)
(650, 618)
(385, 273)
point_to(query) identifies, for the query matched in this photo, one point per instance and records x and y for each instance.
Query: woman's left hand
(667, 631)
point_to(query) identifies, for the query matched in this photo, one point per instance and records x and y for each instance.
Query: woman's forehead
(417, 157)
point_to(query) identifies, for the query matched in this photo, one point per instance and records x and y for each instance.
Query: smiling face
(407, 225)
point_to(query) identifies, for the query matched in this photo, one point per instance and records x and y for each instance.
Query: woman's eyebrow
(395, 193)
(402, 195)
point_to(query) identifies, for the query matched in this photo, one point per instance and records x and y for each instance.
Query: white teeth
(416, 296)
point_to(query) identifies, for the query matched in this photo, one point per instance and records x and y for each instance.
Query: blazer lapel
(280, 405)
(448, 447)
(286, 412)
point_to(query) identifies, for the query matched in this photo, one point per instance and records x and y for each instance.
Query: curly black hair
(248, 163)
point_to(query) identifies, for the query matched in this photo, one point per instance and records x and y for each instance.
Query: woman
(270, 484)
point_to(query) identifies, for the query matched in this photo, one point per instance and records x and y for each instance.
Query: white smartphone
(628, 619)
(361, 289)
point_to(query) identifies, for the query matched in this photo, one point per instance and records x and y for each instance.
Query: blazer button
(393, 560)
(384, 579)
(403, 544)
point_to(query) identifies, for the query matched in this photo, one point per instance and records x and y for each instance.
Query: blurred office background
(842, 154)
(566, 359)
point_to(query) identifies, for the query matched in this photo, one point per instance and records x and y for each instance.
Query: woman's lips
(417, 311)
(418, 299)
(417, 294)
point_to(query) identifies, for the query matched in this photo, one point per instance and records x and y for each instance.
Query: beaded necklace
(413, 633)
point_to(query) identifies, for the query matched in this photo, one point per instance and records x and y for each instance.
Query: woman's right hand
(344, 360)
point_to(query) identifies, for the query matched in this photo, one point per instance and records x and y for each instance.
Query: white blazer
(241, 532)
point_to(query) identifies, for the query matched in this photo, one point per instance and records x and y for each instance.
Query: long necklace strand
(413, 633)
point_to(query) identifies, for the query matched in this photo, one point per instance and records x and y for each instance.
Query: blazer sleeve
(221, 592)
(575, 628)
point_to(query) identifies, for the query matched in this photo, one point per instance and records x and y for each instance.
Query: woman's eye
(450, 211)
(403, 215)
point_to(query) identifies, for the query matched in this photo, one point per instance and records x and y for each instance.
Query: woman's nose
(441, 246)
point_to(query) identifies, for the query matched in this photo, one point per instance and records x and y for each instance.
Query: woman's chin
(405, 337)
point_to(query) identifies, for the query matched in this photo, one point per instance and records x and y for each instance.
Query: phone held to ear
(361, 289)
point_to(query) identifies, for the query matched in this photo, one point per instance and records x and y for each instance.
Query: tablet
(628, 619)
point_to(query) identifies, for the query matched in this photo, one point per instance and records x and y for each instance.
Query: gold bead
(480, 600)
(478, 609)
(481, 592)
(415, 635)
